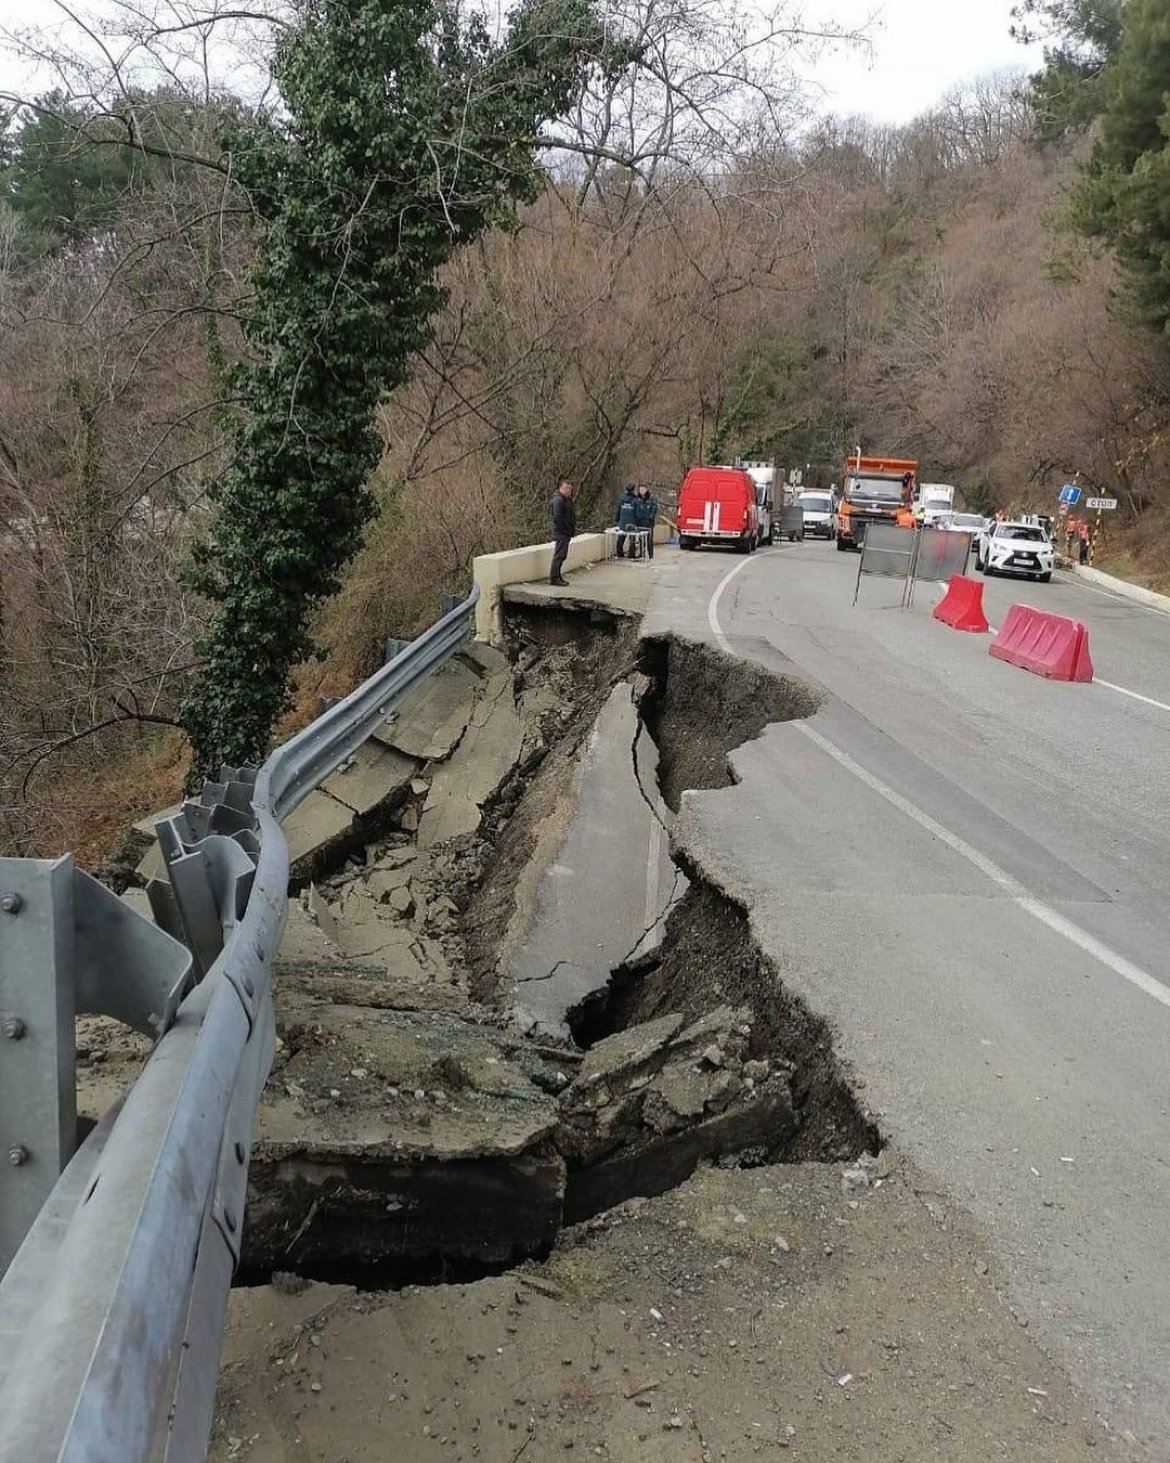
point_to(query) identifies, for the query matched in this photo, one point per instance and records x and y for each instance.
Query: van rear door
(717, 503)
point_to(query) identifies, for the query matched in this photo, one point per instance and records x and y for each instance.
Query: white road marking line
(1011, 886)
(1017, 892)
(1109, 685)
(1135, 695)
(713, 606)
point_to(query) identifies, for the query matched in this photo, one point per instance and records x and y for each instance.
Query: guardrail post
(38, 1087)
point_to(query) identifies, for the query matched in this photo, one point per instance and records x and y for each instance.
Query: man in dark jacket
(645, 512)
(625, 518)
(564, 517)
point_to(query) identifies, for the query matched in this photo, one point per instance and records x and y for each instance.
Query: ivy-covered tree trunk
(405, 133)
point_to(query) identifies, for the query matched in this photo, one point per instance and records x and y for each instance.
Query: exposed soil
(704, 704)
(746, 1315)
(710, 955)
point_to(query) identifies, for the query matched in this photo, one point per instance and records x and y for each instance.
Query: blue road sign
(1070, 494)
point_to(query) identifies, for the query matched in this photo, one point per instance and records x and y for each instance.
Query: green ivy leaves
(405, 133)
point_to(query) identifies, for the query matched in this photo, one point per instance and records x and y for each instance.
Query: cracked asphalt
(964, 868)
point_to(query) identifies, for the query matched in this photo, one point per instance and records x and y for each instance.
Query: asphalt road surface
(966, 868)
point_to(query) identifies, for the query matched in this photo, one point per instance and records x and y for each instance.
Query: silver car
(972, 523)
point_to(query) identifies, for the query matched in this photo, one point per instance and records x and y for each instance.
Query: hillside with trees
(607, 251)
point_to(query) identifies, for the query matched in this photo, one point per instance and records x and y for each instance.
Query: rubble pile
(654, 1100)
(430, 1136)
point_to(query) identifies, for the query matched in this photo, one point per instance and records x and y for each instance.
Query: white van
(818, 514)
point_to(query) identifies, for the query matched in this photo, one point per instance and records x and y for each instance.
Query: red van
(717, 505)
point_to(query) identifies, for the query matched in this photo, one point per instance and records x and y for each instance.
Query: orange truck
(876, 490)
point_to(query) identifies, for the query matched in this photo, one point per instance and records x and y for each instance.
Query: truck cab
(933, 501)
(876, 490)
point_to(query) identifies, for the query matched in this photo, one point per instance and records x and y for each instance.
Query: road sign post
(1102, 505)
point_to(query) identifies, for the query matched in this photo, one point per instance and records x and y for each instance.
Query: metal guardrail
(113, 1307)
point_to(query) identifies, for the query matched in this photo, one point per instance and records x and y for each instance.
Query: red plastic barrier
(962, 606)
(1047, 645)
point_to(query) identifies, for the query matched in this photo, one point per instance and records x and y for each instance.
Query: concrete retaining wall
(522, 566)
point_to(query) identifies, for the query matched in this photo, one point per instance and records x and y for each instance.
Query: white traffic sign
(1100, 502)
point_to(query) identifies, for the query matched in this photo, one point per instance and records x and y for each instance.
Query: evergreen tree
(67, 170)
(1082, 35)
(1123, 197)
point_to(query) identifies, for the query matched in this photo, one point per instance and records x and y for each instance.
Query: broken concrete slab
(651, 1082)
(146, 825)
(387, 1137)
(400, 901)
(490, 749)
(430, 722)
(323, 913)
(655, 1164)
(374, 775)
(726, 1028)
(152, 864)
(304, 937)
(595, 907)
(430, 952)
(382, 882)
(484, 658)
(391, 944)
(320, 821)
(139, 901)
(679, 1095)
(625, 1054)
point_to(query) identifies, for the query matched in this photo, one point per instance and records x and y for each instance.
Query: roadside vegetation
(532, 264)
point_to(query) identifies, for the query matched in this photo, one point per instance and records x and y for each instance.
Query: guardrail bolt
(10, 903)
(13, 1028)
(17, 1155)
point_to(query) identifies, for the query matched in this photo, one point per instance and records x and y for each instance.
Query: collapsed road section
(644, 1223)
(512, 1008)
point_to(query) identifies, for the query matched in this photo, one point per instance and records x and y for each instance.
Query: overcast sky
(919, 49)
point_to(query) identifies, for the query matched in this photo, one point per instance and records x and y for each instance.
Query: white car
(1015, 548)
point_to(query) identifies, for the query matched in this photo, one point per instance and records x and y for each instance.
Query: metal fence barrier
(887, 552)
(930, 554)
(938, 555)
(113, 1303)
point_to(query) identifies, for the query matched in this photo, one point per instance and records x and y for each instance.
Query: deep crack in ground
(690, 1053)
